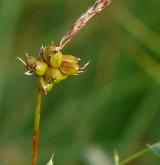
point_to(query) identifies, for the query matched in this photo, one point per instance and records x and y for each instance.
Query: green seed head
(54, 75)
(51, 67)
(44, 85)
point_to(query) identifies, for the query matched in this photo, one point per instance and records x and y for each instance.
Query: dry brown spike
(98, 6)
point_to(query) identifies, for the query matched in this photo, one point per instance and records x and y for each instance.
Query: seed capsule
(35, 66)
(48, 51)
(44, 85)
(55, 59)
(52, 56)
(40, 68)
(54, 75)
(69, 68)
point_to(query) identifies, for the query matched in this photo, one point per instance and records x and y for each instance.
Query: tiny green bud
(52, 56)
(36, 66)
(40, 68)
(44, 85)
(69, 68)
(54, 75)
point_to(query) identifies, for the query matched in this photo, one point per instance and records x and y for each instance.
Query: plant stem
(135, 156)
(36, 128)
(97, 7)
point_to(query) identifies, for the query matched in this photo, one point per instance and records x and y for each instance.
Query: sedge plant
(52, 66)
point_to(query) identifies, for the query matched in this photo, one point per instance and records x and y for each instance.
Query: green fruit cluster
(51, 67)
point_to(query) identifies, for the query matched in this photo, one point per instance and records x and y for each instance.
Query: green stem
(36, 128)
(135, 156)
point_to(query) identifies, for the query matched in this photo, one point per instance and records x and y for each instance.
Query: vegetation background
(114, 105)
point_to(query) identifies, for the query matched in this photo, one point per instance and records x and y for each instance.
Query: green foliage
(50, 161)
(155, 148)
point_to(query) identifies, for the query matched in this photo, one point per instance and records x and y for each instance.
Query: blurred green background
(114, 105)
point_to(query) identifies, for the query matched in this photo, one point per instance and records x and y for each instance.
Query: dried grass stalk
(98, 6)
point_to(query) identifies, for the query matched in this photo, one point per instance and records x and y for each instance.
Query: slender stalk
(36, 128)
(116, 158)
(97, 7)
(135, 156)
